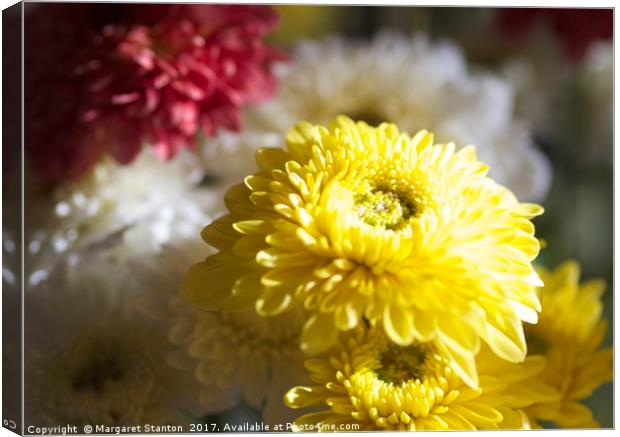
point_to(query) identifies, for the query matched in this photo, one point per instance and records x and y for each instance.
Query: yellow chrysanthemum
(569, 334)
(359, 222)
(370, 383)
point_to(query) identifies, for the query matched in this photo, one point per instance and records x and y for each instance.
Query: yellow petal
(506, 338)
(318, 334)
(205, 284)
(268, 158)
(273, 300)
(398, 325)
(464, 364)
(302, 397)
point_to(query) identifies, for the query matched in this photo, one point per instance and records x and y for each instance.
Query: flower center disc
(401, 364)
(384, 208)
(95, 377)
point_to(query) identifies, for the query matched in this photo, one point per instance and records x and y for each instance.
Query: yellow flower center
(401, 364)
(390, 197)
(381, 207)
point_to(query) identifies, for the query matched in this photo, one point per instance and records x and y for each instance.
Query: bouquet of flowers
(232, 228)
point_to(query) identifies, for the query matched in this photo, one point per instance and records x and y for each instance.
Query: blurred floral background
(126, 164)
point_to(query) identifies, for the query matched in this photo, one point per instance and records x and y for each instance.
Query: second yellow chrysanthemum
(358, 222)
(368, 383)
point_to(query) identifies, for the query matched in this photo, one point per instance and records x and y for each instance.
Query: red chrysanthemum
(157, 74)
(575, 28)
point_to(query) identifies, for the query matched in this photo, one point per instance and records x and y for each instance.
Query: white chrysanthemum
(92, 359)
(118, 213)
(242, 352)
(233, 355)
(414, 84)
